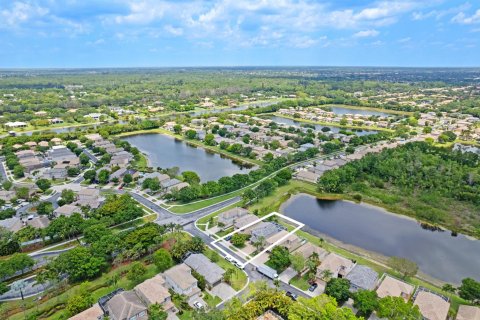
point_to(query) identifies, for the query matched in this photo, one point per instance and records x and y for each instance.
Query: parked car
(228, 238)
(228, 258)
(292, 295)
(313, 287)
(198, 305)
(238, 265)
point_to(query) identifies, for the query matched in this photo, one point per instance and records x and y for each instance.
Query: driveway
(287, 275)
(223, 291)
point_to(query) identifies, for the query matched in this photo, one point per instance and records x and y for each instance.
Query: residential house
(432, 306)
(308, 249)
(160, 176)
(275, 237)
(125, 305)
(212, 273)
(92, 313)
(362, 278)
(307, 176)
(153, 291)
(16, 124)
(94, 137)
(177, 187)
(263, 230)
(56, 141)
(394, 288)
(227, 218)
(468, 313)
(89, 197)
(245, 220)
(13, 224)
(292, 242)
(179, 278)
(40, 222)
(337, 265)
(66, 210)
(7, 195)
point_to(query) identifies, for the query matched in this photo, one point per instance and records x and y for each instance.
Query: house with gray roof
(362, 278)
(228, 217)
(125, 305)
(179, 278)
(263, 229)
(212, 273)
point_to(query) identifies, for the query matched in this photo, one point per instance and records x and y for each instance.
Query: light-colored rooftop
(432, 306)
(92, 313)
(181, 275)
(394, 288)
(153, 290)
(468, 313)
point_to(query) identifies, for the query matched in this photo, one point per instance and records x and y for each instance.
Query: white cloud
(173, 30)
(462, 18)
(404, 40)
(21, 12)
(366, 33)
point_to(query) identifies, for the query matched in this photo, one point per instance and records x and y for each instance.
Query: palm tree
(326, 275)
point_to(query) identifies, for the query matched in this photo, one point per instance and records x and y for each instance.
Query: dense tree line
(416, 170)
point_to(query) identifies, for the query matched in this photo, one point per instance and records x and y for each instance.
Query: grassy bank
(373, 260)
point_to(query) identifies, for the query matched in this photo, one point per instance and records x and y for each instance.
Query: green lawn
(239, 278)
(212, 301)
(203, 203)
(224, 232)
(300, 282)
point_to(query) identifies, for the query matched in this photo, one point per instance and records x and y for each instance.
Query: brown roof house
(153, 291)
(88, 197)
(66, 210)
(125, 305)
(92, 313)
(432, 306)
(337, 265)
(308, 249)
(468, 313)
(179, 278)
(394, 288)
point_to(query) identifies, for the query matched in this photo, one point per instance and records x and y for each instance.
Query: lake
(319, 127)
(437, 253)
(346, 110)
(166, 152)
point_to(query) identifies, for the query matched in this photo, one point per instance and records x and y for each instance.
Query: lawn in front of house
(239, 278)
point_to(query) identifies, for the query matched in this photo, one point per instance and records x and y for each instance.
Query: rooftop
(201, 264)
(394, 288)
(432, 306)
(362, 277)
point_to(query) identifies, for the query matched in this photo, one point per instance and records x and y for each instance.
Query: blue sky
(144, 33)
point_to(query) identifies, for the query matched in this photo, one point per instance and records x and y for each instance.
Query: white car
(228, 258)
(198, 305)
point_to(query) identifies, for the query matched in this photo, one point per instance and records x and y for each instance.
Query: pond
(437, 253)
(319, 127)
(166, 152)
(363, 112)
